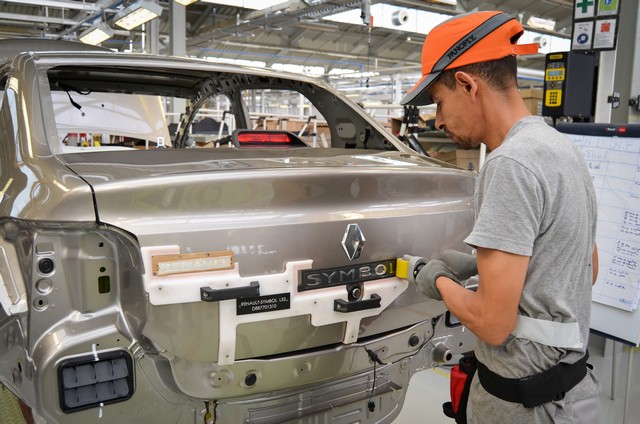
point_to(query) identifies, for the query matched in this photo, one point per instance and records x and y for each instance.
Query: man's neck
(503, 110)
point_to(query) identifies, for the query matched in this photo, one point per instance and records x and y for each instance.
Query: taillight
(266, 139)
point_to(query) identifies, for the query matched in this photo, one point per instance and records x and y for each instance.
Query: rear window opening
(105, 109)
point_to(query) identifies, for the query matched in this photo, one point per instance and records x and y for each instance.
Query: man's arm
(491, 312)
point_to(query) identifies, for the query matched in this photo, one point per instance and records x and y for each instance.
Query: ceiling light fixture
(541, 23)
(96, 34)
(444, 2)
(137, 14)
(185, 2)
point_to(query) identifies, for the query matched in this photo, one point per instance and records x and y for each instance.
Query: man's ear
(466, 82)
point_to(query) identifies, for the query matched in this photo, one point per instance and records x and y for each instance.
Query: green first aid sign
(584, 5)
(585, 8)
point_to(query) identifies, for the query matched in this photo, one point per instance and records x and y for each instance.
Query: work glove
(429, 273)
(462, 264)
(415, 265)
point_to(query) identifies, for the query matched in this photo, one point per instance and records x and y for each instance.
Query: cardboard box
(396, 123)
(465, 159)
(533, 99)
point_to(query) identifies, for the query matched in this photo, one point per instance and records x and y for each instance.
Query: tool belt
(460, 386)
(536, 389)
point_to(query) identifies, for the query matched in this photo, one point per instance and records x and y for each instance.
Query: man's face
(453, 115)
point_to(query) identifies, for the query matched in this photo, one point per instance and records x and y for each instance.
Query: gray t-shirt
(535, 197)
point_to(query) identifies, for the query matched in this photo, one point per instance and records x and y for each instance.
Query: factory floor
(429, 389)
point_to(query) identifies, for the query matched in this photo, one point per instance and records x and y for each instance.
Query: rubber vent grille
(95, 380)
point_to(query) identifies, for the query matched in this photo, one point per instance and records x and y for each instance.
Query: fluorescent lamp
(185, 2)
(247, 4)
(96, 34)
(137, 14)
(541, 23)
(445, 2)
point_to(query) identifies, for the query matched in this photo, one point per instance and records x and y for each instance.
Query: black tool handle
(207, 294)
(340, 305)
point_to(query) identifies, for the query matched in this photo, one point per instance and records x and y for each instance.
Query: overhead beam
(312, 53)
(207, 14)
(60, 4)
(89, 19)
(386, 41)
(42, 19)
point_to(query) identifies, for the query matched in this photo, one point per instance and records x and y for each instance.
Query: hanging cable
(376, 360)
(367, 19)
(67, 88)
(373, 357)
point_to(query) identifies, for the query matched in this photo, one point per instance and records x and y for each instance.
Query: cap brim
(419, 94)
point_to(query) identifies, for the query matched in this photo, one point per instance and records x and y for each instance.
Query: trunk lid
(291, 224)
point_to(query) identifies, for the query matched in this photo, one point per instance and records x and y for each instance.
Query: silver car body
(215, 284)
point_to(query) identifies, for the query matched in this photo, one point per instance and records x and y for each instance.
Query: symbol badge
(353, 241)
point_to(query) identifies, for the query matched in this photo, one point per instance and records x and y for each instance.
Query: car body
(240, 272)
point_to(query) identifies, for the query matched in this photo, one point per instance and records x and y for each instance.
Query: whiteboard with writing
(612, 154)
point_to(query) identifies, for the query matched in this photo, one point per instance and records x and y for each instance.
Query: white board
(612, 153)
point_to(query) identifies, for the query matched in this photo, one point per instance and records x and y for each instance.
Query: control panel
(554, 75)
(569, 79)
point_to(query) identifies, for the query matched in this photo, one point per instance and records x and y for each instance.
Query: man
(534, 231)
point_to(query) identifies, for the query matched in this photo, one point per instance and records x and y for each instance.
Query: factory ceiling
(308, 33)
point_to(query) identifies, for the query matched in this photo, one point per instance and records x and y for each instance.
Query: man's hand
(415, 265)
(426, 278)
(462, 264)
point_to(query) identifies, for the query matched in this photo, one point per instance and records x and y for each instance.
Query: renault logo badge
(353, 241)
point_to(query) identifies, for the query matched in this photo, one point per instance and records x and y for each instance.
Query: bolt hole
(250, 379)
(102, 269)
(40, 303)
(101, 244)
(414, 340)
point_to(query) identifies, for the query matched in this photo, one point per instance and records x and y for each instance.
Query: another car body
(241, 274)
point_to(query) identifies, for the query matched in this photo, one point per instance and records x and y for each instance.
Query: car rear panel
(281, 222)
(219, 285)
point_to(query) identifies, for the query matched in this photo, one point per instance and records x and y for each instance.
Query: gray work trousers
(575, 408)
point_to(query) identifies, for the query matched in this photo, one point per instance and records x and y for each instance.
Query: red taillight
(263, 137)
(266, 139)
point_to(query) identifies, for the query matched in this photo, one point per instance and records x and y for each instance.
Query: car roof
(11, 47)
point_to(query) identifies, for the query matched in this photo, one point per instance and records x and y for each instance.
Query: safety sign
(584, 9)
(605, 34)
(595, 24)
(582, 36)
(608, 7)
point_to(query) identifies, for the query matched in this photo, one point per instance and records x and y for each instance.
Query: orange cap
(463, 40)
